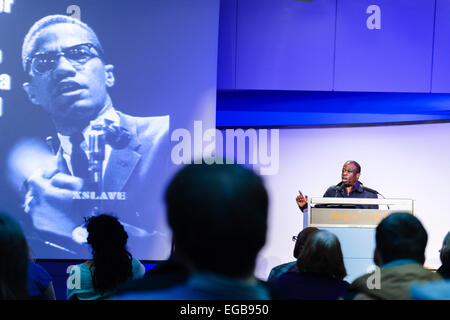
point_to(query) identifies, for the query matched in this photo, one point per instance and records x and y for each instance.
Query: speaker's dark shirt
(358, 191)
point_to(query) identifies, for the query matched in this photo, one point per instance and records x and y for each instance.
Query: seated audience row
(218, 217)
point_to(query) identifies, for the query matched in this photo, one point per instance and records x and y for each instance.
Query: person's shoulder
(331, 191)
(152, 124)
(444, 271)
(38, 273)
(34, 267)
(154, 129)
(283, 267)
(344, 284)
(435, 290)
(138, 268)
(369, 194)
(288, 277)
(179, 292)
(358, 283)
(81, 269)
(158, 123)
(135, 261)
(141, 295)
(148, 132)
(277, 271)
(356, 289)
(84, 264)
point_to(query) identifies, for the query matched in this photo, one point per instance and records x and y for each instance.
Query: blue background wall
(297, 63)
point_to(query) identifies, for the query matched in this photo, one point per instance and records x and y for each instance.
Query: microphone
(376, 192)
(371, 190)
(96, 155)
(102, 134)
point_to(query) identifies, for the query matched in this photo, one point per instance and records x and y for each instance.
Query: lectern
(347, 212)
(353, 225)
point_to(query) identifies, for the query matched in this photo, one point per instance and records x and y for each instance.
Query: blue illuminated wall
(333, 62)
(275, 108)
(441, 54)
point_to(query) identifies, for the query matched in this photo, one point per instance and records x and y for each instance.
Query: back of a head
(445, 250)
(218, 214)
(108, 238)
(106, 233)
(322, 256)
(13, 260)
(302, 237)
(401, 236)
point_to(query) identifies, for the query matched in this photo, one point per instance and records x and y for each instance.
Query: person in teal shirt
(111, 265)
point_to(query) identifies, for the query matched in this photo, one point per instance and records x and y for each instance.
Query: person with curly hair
(321, 271)
(300, 241)
(111, 264)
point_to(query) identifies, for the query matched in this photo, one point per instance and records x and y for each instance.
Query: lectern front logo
(357, 216)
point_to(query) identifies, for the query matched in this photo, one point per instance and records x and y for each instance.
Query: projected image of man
(102, 151)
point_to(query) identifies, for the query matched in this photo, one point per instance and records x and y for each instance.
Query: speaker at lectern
(354, 225)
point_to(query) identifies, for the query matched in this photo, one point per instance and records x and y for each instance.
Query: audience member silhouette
(444, 269)
(218, 215)
(320, 274)
(164, 275)
(13, 260)
(400, 253)
(39, 283)
(277, 271)
(111, 265)
(435, 290)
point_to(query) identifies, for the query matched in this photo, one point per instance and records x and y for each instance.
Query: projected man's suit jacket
(138, 171)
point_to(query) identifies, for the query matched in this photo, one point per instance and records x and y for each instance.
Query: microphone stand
(102, 134)
(96, 159)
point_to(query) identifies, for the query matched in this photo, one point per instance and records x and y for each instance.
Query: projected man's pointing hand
(49, 199)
